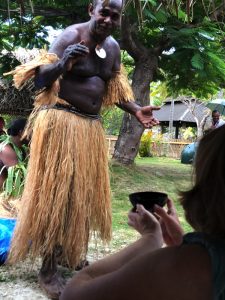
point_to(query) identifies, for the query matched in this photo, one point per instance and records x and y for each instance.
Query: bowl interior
(148, 199)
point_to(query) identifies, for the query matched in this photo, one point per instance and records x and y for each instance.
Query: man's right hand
(71, 54)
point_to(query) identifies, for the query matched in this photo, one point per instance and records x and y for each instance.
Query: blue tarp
(188, 153)
(6, 230)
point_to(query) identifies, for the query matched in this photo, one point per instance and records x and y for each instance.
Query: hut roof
(181, 112)
(16, 102)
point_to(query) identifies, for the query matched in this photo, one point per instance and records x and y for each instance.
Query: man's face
(105, 17)
(215, 117)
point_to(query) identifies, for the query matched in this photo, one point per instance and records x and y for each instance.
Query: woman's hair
(16, 126)
(204, 204)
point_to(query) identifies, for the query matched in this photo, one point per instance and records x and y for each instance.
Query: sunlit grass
(155, 174)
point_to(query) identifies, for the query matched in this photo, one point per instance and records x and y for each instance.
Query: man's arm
(68, 51)
(8, 156)
(143, 114)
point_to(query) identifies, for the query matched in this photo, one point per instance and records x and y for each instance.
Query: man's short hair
(215, 111)
(95, 2)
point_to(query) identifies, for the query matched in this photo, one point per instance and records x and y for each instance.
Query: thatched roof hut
(13, 101)
(16, 102)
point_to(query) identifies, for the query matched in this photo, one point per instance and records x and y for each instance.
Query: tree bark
(146, 63)
(127, 144)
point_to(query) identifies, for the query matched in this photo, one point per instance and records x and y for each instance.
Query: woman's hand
(143, 221)
(170, 224)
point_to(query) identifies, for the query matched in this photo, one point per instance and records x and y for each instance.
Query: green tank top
(216, 250)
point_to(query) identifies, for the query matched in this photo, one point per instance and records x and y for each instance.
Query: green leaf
(197, 61)
(17, 183)
(9, 181)
(161, 16)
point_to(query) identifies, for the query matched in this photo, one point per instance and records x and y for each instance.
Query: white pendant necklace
(100, 52)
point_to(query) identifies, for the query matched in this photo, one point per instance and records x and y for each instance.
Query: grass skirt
(67, 190)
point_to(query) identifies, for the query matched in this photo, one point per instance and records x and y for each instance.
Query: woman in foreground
(192, 266)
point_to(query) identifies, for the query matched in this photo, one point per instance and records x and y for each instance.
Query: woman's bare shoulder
(182, 273)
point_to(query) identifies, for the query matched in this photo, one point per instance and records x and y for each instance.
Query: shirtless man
(83, 72)
(89, 58)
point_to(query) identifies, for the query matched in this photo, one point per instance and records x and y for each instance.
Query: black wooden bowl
(148, 199)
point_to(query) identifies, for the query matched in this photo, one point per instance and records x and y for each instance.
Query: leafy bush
(145, 144)
(14, 183)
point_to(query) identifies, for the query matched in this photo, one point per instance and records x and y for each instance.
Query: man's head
(16, 127)
(106, 2)
(105, 17)
(215, 116)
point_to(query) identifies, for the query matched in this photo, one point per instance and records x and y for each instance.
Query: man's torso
(84, 85)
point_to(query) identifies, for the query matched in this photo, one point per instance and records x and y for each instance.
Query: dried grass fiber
(118, 89)
(67, 191)
(26, 71)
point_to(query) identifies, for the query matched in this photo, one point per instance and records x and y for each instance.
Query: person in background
(12, 148)
(216, 120)
(2, 125)
(192, 265)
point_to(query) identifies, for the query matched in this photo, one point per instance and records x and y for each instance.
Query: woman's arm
(148, 226)
(173, 273)
(151, 239)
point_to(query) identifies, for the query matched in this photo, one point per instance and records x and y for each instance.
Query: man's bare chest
(94, 66)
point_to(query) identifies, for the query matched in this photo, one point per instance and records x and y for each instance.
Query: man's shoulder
(72, 32)
(110, 41)
(220, 123)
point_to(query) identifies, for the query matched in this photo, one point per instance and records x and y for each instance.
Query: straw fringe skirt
(67, 191)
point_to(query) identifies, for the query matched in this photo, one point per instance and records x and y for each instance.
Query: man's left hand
(145, 117)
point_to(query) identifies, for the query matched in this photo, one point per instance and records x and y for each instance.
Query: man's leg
(49, 278)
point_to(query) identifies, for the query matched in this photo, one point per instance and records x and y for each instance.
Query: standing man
(216, 120)
(67, 191)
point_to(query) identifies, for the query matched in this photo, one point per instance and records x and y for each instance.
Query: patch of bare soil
(18, 282)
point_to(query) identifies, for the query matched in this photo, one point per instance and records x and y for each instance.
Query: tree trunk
(146, 63)
(127, 145)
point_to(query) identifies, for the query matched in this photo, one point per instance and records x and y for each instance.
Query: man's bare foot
(53, 285)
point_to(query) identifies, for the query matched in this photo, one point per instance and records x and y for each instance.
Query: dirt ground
(20, 290)
(18, 282)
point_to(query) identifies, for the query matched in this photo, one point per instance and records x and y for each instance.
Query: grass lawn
(155, 174)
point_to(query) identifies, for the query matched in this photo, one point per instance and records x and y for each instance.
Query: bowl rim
(150, 192)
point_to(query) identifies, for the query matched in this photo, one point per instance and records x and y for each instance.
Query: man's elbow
(38, 83)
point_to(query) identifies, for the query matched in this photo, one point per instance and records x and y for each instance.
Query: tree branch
(130, 42)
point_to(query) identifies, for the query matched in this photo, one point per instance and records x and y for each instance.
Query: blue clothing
(216, 249)
(6, 231)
